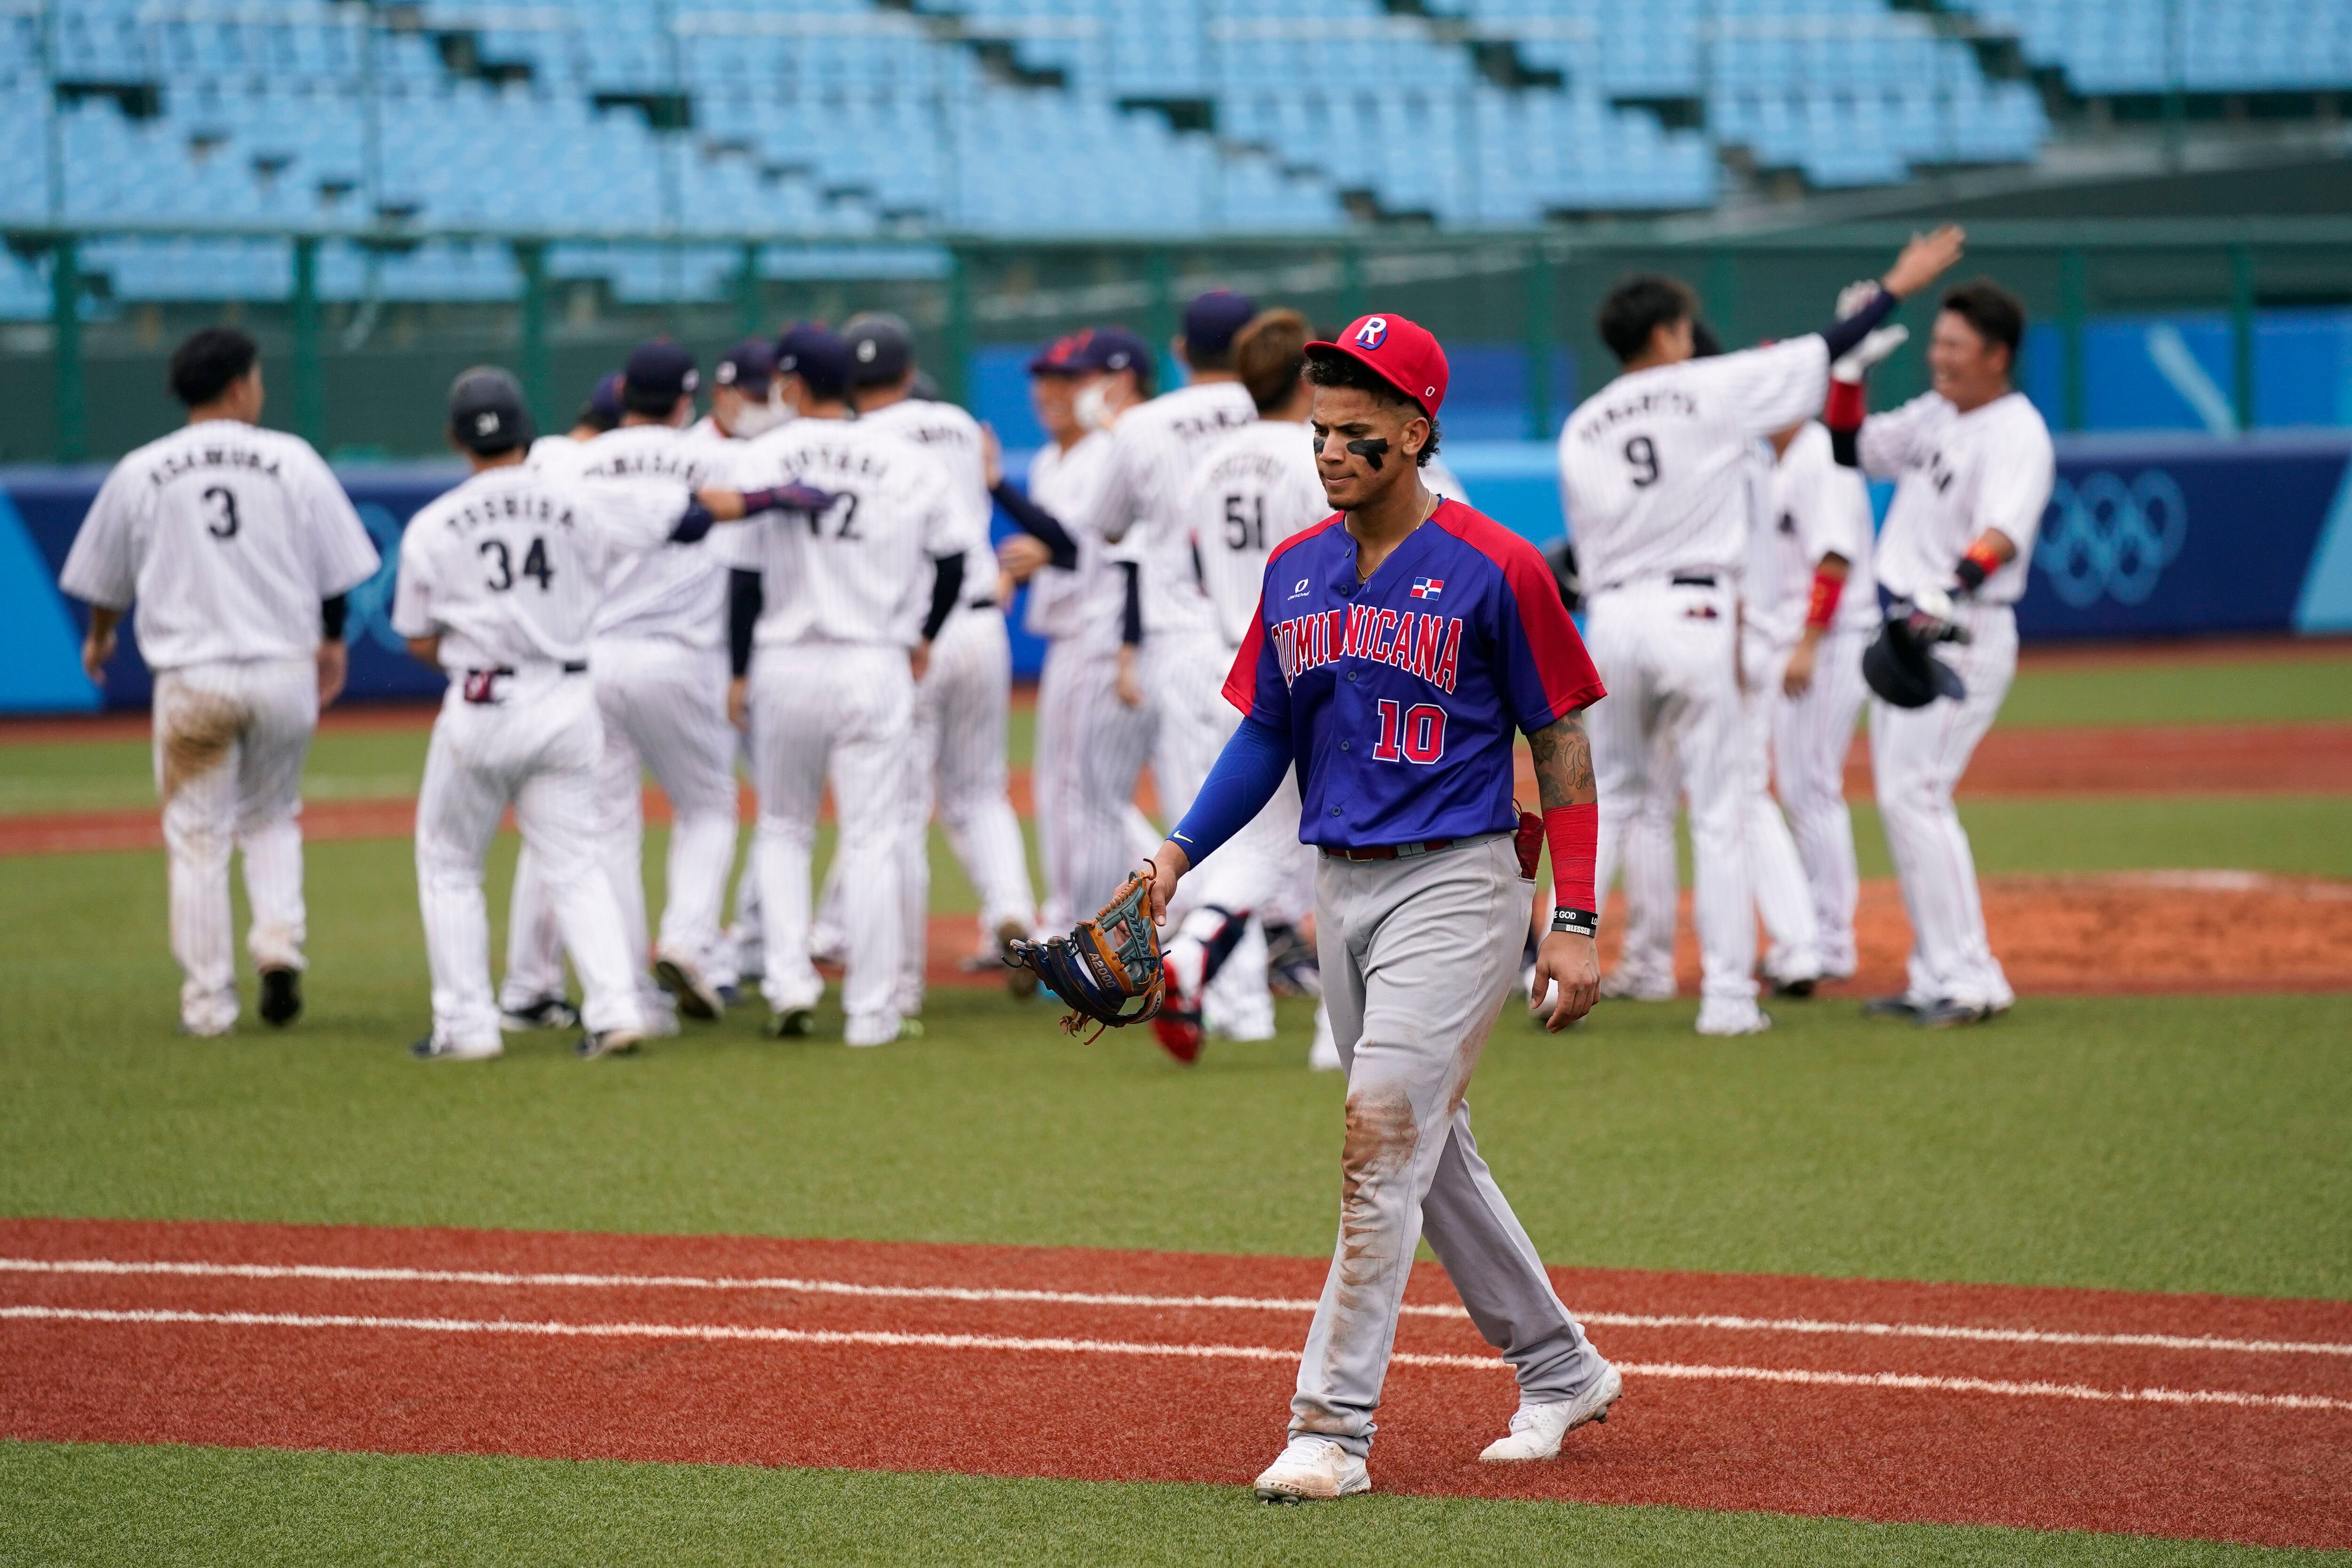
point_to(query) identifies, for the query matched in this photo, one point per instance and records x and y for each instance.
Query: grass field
(2174, 1145)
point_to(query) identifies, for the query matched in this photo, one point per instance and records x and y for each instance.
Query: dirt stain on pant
(197, 734)
(1379, 1150)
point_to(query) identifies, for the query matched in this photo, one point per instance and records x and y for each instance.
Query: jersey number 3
(1415, 733)
(534, 564)
(221, 501)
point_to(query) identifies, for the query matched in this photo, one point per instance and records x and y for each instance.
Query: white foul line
(1114, 1299)
(733, 1332)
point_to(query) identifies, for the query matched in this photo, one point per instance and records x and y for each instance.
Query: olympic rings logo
(2106, 538)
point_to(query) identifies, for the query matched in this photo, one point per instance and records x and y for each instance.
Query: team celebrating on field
(1262, 584)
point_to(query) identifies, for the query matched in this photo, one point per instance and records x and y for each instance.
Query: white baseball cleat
(434, 1049)
(1537, 1429)
(1732, 1018)
(1313, 1469)
(1619, 985)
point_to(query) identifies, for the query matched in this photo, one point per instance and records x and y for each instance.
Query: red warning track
(2182, 1416)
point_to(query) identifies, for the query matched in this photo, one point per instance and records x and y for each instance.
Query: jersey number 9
(1415, 733)
(534, 564)
(1643, 454)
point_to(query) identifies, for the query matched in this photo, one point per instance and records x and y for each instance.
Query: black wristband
(331, 615)
(1575, 921)
(1970, 572)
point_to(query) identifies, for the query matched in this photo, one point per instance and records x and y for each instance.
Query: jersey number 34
(502, 567)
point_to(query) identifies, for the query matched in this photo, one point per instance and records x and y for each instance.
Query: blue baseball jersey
(1402, 694)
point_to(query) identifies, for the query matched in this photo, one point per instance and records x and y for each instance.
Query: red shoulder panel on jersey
(1569, 680)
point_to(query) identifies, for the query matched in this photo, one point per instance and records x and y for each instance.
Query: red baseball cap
(1400, 352)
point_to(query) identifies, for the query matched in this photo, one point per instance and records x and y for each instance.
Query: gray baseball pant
(1419, 956)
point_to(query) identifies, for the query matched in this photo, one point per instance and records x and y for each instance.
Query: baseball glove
(1900, 667)
(1107, 968)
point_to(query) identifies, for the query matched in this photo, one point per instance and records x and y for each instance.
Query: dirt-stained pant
(230, 738)
(1419, 956)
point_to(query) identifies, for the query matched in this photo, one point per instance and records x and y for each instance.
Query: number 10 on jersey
(1415, 733)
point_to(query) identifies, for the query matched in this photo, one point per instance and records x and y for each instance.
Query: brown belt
(1389, 851)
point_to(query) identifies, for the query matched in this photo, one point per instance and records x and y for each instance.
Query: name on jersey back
(172, 466)
(1662, 400)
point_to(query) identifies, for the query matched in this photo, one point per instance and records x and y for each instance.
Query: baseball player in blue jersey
(1398, 650)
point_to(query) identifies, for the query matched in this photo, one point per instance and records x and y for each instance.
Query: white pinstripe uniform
(228, 537)
(958, 761)
(1804, 480)
(658, 666)
(509, 571)
(1957, 475)
(832, 695)
(1090, 747)
(1251, 489)
(1155, 448)
(1653, 468)
(1824, 509)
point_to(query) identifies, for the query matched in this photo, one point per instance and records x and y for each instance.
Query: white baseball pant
(230, 739)
(1810, 736)
(664, 706)
(956, 763)
(1648, 856)
(1242, 878)
(1918, 756)
(741, 953)
(1783, 898)
(1086, 786)
(1666, 652)
(842, 712)
(535, 748)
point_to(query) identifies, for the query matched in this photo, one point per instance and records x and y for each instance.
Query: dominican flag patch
(1428, 587)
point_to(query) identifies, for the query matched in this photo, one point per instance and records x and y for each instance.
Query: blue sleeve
(1248, 771)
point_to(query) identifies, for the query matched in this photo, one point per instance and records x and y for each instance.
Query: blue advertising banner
(2149, 536)
(2170, 536)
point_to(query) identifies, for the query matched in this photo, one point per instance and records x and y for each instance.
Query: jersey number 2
(534, 564)
(1415, 733)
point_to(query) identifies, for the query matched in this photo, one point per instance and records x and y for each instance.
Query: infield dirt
(2181, 1415)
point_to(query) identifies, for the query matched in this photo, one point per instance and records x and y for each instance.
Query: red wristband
(1824, 607)
(1574, 834)
(1846, 406)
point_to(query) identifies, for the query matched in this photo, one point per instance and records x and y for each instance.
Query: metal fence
(359, 372)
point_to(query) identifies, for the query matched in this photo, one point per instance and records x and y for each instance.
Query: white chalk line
(1115, 1299)
(892, 1339)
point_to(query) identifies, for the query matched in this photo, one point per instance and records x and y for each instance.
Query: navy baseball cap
(658, 374)
(748, 366)
(487, 412)
(602, 408)
(1117, 349)
(880, 350)
(1212, 321)
(820, 359)
(1062, 357)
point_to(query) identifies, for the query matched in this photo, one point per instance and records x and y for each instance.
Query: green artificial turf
(2186, 689)
(65, 1504)
(2155, 1144)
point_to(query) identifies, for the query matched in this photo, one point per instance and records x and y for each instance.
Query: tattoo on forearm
(1563, 755)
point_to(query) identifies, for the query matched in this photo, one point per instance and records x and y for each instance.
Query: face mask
(1091, 407)
(758, 418)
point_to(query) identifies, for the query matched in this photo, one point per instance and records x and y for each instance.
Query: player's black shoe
(281, 996)
(1898, 1007)
(1948, 1014)
(547, 1012)
(791, 1023)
